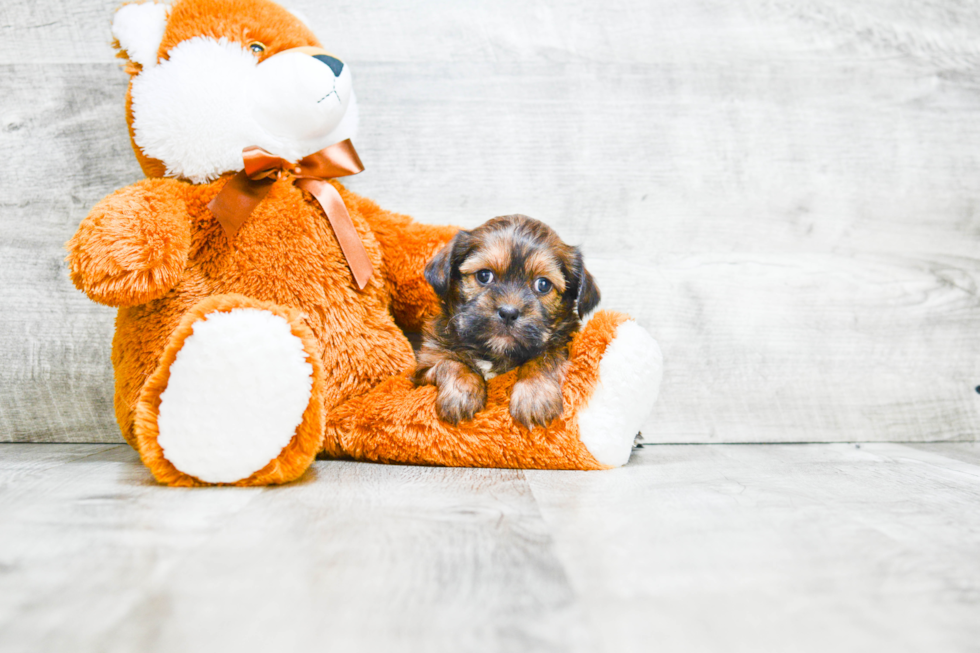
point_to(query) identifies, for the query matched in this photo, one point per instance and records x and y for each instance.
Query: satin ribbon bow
(243, 192)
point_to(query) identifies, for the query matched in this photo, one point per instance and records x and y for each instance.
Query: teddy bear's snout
(335, 65)
(300, 95)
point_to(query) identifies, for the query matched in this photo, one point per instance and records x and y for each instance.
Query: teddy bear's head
(211, 77)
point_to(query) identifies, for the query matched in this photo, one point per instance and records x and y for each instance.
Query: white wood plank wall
(786, 193)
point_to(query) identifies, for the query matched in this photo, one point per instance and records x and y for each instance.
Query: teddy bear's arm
(133, 245)
(406, 246)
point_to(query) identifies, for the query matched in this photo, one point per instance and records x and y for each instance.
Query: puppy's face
(509, 286)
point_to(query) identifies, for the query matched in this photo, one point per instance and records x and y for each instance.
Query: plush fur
(156, 252)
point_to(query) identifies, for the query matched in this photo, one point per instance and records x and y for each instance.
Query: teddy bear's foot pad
(629, 381)
(237, 392)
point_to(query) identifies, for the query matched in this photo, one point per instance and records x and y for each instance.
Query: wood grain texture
(95, 556)
(689, 548)
(64, 128)
(783, 192)
(836, 547)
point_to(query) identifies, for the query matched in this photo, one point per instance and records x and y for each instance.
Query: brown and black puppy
(512, 294)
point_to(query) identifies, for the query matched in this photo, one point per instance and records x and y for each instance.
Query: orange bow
(243, 192)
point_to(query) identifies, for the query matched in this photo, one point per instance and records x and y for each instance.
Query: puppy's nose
(508, 313)
(335, 64)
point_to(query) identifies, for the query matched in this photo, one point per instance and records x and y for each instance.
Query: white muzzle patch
(198, 109)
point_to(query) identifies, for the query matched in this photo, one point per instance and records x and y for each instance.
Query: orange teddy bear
(261, 304)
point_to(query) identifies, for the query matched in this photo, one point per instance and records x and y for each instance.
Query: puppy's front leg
(536, 398)
(462, 392)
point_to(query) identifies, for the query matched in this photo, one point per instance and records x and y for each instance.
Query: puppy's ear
(588, 292)
(439, 270)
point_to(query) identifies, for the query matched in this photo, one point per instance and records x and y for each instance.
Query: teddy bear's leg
(623, 394)
(237, 397)
(610, 387)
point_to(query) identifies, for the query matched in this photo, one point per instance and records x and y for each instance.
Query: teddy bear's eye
(542, 285)
(256, 47)
(484, 277)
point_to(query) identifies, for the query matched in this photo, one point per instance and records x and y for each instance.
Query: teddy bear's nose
(336, 65)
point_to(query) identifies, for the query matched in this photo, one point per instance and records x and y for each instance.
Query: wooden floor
(829, 547)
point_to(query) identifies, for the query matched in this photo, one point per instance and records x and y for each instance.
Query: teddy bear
(262, 306)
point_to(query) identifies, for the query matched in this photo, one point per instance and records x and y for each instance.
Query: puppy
(512, 295)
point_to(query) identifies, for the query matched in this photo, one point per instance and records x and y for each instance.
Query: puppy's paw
(536, 401)
(460, 397)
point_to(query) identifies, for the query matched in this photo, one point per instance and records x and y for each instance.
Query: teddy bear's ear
(138, 29)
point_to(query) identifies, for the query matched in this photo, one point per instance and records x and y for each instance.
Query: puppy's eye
(484, 277)
(256, 47)
(542, 286)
